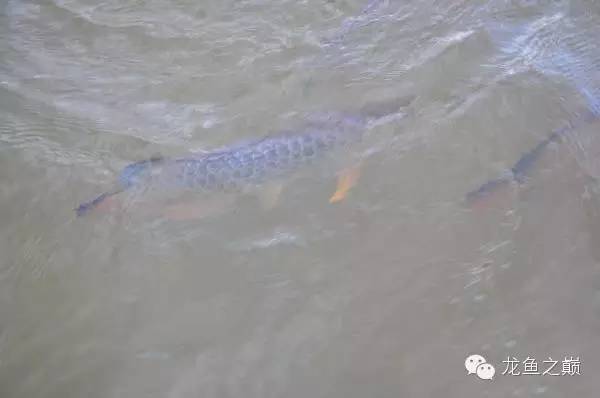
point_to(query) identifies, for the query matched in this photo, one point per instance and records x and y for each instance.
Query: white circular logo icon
(485, 371)
(472, 362)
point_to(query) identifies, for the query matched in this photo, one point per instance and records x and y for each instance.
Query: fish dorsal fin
(381, 109)
(156, 157)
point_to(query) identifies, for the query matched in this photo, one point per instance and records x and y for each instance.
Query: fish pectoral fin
(269, 195)
(347, 179)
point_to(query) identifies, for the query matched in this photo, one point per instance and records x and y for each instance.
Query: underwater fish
(552, 49)
(518, 172)
(244, 167)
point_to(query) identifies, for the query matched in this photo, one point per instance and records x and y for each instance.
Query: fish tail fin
(517, 173)
(87, 207)
(524, 164)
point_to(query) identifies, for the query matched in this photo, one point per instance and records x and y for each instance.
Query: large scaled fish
(253, 166)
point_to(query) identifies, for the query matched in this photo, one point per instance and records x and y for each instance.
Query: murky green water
(382, 295)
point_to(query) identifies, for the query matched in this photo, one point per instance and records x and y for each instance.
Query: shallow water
(384, 294)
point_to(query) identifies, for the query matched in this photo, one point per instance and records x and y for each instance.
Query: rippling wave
(307, 297)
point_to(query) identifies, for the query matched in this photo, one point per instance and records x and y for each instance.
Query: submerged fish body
(248, 164)
(550, 47)
(240, 166)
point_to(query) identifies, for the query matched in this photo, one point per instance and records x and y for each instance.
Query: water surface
(382, 295)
